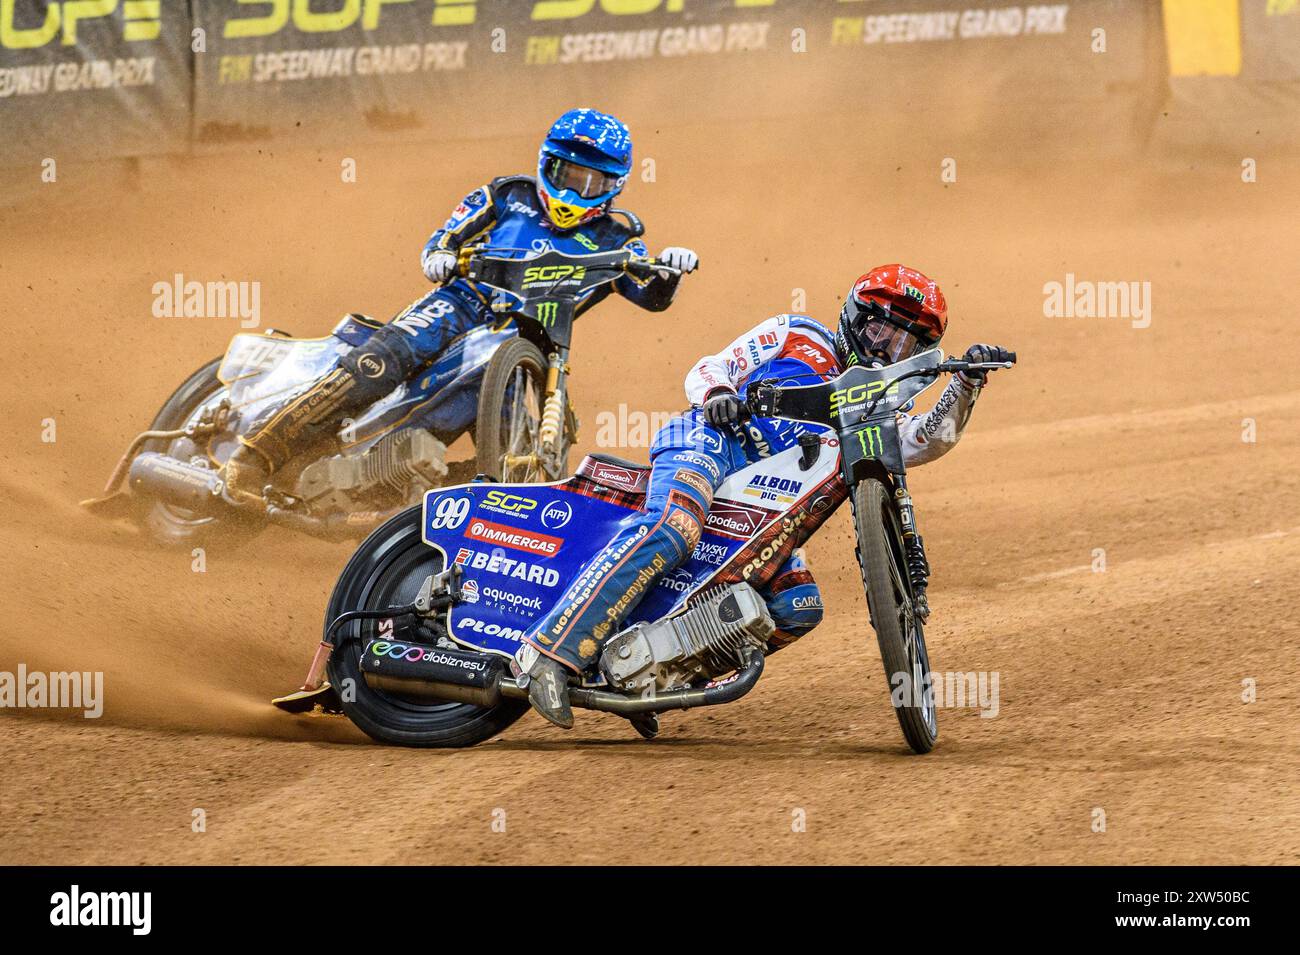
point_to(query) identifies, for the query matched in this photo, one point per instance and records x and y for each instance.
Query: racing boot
(247, 475)
(313, 418)
(548, 686)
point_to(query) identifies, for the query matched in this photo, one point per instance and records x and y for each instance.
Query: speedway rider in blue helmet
(581, 168)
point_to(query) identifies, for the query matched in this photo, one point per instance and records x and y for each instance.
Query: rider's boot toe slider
(548, 692)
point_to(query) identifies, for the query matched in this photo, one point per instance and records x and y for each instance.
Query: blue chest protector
(507, 217)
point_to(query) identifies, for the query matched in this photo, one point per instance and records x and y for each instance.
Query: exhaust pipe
(725, 692)
(432, 673)
(176, 482)
(461, 676)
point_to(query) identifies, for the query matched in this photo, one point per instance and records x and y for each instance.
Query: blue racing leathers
(506, 216)
(690, 459)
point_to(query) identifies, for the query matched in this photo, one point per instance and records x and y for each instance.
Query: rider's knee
(681, 527)
(382, 362)
(795, 610)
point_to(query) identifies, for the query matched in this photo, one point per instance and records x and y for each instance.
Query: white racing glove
(679, 258)
(439, 266)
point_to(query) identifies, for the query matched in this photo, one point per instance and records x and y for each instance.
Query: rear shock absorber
(551, 414)
(548, 432)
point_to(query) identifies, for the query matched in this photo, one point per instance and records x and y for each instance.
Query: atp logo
(556, 514)
(705, 438)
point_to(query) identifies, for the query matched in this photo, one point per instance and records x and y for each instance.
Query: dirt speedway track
(1120, 691)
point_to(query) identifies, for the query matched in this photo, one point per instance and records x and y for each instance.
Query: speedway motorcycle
(505, 383)
(425, 618)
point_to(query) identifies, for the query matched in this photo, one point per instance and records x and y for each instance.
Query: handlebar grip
(463, 262)
(760, 400)
(649, 268)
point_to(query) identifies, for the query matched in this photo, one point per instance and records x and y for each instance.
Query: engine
(710, 639)
(403, 464)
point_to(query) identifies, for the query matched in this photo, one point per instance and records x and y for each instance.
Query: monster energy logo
(872, 444)
(547, 312)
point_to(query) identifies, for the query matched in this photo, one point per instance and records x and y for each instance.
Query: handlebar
(761, 397)
(957, 364)
(644, 266)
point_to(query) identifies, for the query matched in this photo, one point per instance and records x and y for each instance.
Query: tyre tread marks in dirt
(871, 504)
(395, 556)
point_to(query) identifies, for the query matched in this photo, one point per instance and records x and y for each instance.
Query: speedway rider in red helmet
(891, 313)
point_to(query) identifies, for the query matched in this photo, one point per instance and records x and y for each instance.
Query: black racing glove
(723, 408)
(983, 353)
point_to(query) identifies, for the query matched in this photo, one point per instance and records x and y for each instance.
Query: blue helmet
(583, 164)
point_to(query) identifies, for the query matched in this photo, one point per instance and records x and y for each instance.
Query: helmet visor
(893, 342)
(585, 181)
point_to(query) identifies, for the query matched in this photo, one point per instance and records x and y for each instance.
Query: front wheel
(387, 570)
(899, 632)
(510, 401)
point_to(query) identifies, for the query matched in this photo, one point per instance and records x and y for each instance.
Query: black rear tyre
(899, 633)
(168, 524)
(388, 569)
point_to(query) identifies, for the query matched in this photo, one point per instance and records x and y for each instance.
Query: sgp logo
(847, 397)
(142, 21)
(307, 16)
(571, 9)
(510, 503)
(553, 273)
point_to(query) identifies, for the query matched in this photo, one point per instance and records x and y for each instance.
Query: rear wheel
(510, 415)
(889, 596)
(168, 524)
(387, 570)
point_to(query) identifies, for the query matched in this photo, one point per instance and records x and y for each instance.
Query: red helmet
(891, 313)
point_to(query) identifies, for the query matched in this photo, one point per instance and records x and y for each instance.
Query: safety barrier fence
(92, 79)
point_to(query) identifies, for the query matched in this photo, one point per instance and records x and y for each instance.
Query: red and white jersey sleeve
(788, 342)
(765, 342)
